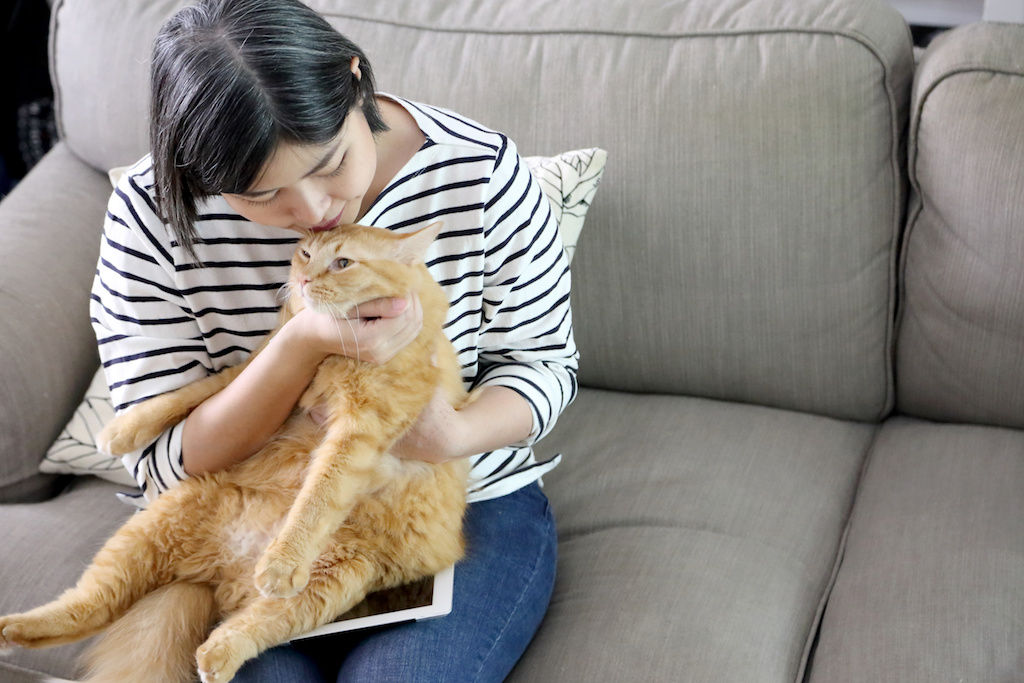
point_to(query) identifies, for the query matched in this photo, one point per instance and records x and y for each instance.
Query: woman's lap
(502, 589)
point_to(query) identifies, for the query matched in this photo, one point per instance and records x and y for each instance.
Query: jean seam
(534, 571)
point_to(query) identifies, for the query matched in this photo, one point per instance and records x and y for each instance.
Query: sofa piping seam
(810, 644)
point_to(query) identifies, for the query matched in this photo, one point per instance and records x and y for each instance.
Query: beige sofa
(797, 452)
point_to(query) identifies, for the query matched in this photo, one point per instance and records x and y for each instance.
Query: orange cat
(300, 532)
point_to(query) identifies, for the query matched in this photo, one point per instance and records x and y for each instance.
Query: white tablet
(425, 599)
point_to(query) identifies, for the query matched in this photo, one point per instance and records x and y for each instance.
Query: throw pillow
(569, 181)
(74, 451)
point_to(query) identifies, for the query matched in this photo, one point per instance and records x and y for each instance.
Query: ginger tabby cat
(297, 534)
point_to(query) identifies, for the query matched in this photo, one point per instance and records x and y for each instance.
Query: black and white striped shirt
(162, 322)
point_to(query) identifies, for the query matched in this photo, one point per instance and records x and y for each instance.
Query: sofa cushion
(49, 351)
(699, 536)
(931, 587)
(745, 245)
(960, 350)
(45, 548)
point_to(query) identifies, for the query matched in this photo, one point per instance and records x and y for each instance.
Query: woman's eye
(337, 171)
(260, 202)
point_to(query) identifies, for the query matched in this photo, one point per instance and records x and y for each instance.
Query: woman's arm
(526, 352)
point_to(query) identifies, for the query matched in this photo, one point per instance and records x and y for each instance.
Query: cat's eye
(341, 264)
(305, 254)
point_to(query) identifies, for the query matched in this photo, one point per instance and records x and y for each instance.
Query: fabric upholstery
(931, 587)
(961, 355)
(743, 262)
(49, 350)
(700, 534)
(76, 525)
(762, 230)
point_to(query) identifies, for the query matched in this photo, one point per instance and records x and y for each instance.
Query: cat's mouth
(328, 306)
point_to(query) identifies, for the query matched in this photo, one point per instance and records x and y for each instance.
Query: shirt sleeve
(148, 339)
(526, 343)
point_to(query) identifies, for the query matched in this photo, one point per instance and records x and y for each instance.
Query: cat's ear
(412, 248)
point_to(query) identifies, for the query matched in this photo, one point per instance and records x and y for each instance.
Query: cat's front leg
(340, 470)
(144, 422)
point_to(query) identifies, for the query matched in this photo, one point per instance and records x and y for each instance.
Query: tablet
(425, 599)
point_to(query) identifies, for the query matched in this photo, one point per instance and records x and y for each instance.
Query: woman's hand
(496, 417)
(436, 436)
(373, 332)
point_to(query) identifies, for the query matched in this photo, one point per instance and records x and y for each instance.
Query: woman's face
(313, 187)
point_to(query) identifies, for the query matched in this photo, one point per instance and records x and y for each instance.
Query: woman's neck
(395, 147)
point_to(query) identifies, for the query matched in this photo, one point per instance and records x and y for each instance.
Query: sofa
(797, 451)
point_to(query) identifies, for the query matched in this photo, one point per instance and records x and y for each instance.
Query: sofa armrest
(49, 239)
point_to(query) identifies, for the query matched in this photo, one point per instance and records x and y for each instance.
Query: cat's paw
(121, 435)
(280, 577)
(218, 660)
(8, 641)
(15, 632)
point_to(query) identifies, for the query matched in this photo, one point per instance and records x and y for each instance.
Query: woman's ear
(354, 68)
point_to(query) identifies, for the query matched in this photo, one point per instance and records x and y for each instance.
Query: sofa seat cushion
(931, 587)
(701, 534)
(46, 546)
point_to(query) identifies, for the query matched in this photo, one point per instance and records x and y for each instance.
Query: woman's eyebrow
(319, 165)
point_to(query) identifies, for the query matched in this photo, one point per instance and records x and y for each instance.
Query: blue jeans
(502, 589)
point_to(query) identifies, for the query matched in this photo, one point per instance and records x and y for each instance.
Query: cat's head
(335, 270)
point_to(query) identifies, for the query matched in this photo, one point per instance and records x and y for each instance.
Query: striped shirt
(161, 321)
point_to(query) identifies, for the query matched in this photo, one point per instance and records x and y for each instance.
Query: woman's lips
(329, 224)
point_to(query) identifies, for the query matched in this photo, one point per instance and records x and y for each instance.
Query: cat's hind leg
(267, 622)
(129, 565)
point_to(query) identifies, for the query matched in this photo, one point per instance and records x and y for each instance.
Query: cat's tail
(155, 641)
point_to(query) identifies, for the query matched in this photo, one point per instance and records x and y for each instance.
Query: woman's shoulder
(137, 177)
(133, 199)
(443, 126)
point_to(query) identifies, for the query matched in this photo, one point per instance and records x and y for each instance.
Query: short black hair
(230, 80)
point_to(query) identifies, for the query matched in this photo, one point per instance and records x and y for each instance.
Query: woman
(265, 124)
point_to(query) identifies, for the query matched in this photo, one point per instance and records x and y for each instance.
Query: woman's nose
(310, 204)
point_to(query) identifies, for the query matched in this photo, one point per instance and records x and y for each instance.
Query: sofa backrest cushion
(960, 354)
(742, 245)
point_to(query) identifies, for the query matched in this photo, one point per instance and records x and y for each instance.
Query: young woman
(266, 124)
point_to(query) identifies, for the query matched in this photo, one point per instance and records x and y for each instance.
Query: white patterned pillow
(569, 181)
(74, 451)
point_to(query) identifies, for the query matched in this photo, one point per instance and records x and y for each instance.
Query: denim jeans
(502, 589)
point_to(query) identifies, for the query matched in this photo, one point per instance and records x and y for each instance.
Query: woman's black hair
(230, 80)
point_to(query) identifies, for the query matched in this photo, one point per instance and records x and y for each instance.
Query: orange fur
(300, 532)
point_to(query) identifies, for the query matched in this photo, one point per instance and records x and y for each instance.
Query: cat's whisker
(341, 337)
(353, 328)
(284, 292)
